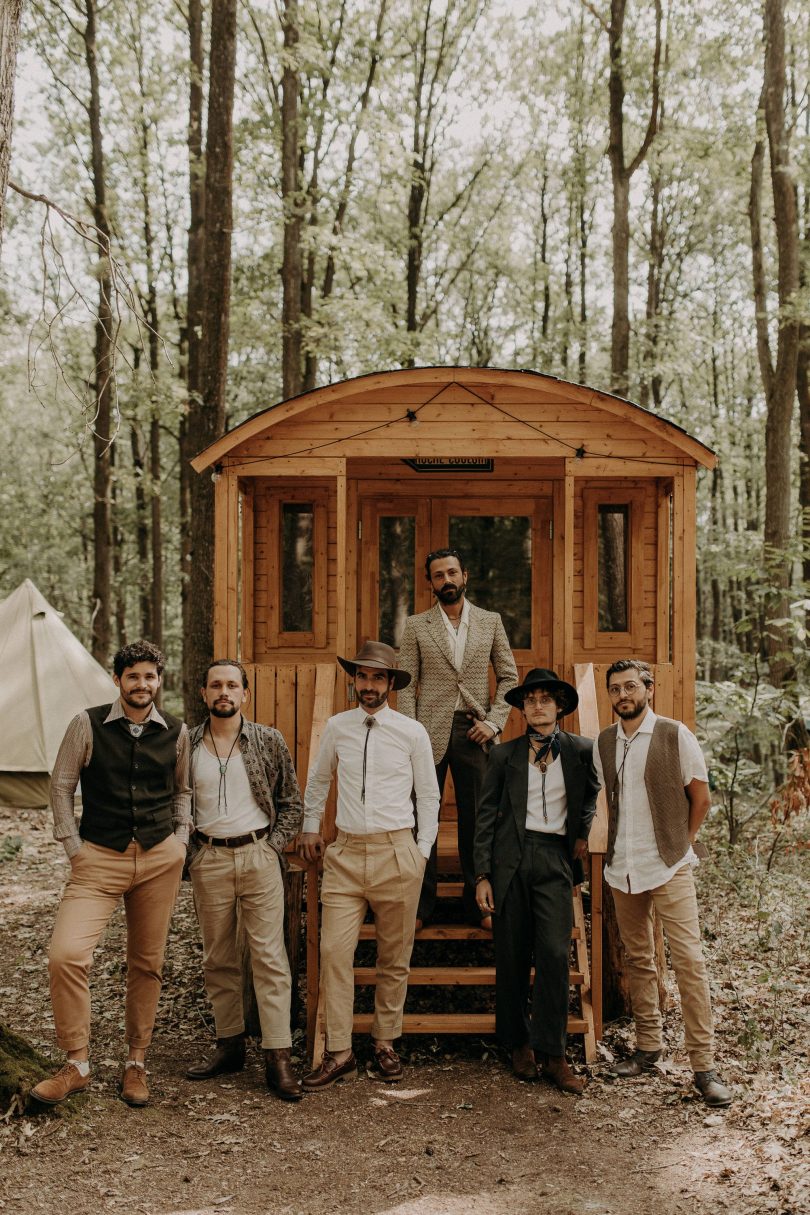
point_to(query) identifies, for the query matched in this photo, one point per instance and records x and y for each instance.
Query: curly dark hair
(138, 651)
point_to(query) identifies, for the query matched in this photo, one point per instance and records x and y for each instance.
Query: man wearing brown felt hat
(534, 815)
(381, 758)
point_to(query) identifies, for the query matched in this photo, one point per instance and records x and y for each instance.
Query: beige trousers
(247, 879)
(147, 881)
(383, 872)
(676, 904)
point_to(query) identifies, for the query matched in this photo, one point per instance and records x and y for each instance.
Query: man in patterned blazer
(447, 651)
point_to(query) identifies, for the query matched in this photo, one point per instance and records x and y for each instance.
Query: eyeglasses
(631, 688)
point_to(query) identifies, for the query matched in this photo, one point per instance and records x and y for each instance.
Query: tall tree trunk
(291, 338)
(193, 342)
(10, 11)
(141, 529)
(779, 375)
(621, 174)
(103, 371)
(206, 417)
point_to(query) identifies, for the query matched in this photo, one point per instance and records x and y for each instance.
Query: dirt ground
(459, 1135)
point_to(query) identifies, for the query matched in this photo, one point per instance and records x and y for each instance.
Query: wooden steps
(447, 932)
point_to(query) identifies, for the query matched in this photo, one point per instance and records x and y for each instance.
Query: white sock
(82, 1066)
(135, 1063)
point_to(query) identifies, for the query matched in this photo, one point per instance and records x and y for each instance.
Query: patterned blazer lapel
(438, 630)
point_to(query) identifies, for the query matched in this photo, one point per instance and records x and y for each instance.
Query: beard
(631, 713)
(450, 594)
(135, 699)
(372, 700)
(220, 709)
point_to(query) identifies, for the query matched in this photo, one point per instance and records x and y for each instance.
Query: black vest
(128, 786)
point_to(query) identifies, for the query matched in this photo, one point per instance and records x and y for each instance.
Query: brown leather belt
(232, 841)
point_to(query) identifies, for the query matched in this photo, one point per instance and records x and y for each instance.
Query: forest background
(212, 208)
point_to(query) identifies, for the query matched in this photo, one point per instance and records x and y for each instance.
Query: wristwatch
(481, 877)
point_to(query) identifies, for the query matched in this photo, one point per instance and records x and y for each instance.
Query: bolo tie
(618, 784)
(368, 723)
(543, 746)
(222, 791)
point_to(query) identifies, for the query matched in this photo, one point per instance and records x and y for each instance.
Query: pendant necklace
(222, 791)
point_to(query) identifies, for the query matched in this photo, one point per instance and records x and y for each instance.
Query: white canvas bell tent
(48, 677)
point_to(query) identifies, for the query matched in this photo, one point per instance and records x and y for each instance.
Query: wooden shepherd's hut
(576, 513)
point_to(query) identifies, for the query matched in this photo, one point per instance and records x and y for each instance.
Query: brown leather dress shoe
(388, 1064)
(281, 1079)
(524, 1064)
(66, 1081)
(712, 1089)
(557, 1071)
(228, 1057)
(134, 1089)
(330, 1072)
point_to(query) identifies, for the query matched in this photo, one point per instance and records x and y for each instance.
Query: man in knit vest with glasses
(656, 783)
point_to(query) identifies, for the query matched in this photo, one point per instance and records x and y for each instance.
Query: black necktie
(368, 723)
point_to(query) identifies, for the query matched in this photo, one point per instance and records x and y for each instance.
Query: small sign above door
(480, 464)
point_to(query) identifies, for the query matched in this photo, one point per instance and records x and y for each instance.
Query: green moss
(21, 1067)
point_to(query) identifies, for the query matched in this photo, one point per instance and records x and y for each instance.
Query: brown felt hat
(542, 678)
(381, 657)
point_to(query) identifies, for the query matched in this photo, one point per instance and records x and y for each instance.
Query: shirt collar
(117, 711)
(465, 616)
(646, 727)
(381, 714)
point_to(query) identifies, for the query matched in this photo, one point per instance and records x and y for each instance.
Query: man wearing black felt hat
(535, 812)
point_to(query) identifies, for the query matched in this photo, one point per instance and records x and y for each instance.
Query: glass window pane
(612, 565)
(297, 554)
(397, 555)
(498, 553)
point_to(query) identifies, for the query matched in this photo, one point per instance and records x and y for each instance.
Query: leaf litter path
(460, 1136)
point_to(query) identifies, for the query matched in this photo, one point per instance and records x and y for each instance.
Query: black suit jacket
(501, 816)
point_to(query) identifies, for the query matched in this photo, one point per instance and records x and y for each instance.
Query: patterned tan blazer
(435, 683)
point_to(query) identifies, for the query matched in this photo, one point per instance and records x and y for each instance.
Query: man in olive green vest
(655, 778)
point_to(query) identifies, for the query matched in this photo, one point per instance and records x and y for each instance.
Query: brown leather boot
(557, 1071)
(524, 1064)
(229, 1056)
(281, 1079)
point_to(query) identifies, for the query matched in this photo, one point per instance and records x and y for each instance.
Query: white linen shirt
(458, 641)
(636, 864)
(399, 760)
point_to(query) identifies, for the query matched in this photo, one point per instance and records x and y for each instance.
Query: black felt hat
(539, 677)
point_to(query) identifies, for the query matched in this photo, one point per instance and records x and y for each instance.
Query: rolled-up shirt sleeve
(73, 754)
(319, 781)
(426, 789)
(181, 799)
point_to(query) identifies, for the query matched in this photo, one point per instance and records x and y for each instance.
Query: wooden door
(506, 543)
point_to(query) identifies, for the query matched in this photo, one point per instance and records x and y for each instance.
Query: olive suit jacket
(501, 819)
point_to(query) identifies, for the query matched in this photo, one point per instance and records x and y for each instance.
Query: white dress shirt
(556, 800)
(399, 761)
(636, 864)
(458, 648)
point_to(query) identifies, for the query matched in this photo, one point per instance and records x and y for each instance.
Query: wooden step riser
(450, 976)
(446, 932)
(451, 1023)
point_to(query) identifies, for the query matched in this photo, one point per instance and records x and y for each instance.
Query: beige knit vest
(669, 804)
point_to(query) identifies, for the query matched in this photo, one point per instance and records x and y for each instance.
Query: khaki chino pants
(383, 872)
(676, 904)
(147, 880)
(247, 879)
